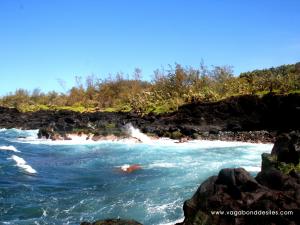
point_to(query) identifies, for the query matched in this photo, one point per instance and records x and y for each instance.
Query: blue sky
(42, 41)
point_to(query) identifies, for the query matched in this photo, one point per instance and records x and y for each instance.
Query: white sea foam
(252, 168)
(31, 138)
(75, 141)
(173, 222)
(194, 144)
(125, 167)
(136, 133)
(161, 165)
(20, 131)
(162, 209)
(9, 148)
(21, 163)
(44, 212)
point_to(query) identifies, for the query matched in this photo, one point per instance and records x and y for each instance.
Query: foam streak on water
(21, 163)
(9, 148)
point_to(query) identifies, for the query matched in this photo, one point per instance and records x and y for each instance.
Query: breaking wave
(136, 133)
(9, 148)
(21, 163)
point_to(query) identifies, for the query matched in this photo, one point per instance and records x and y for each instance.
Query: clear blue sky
(41, 41)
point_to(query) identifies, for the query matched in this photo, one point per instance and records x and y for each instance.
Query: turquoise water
(45, 182)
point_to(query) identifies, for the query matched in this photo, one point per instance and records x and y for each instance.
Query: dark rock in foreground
(112, 222)
(287, 148)
(230, 196)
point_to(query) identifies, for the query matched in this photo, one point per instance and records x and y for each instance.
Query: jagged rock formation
(275, 189)
(241, 118)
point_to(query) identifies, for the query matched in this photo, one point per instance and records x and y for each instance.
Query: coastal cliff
(241, 118)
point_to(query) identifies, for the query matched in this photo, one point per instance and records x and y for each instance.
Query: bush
(176, 135)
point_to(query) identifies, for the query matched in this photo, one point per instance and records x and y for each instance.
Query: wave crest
(9, 148)
(21, 163)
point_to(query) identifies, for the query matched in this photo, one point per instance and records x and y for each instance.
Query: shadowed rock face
(112, 222)
(236, 190)
(287, 148)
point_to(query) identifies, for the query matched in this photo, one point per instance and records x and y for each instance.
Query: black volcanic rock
(287, 148)
(272, 178)
(240, 118)
(45, 133)
(235, 191)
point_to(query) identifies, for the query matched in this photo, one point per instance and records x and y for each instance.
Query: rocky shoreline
(251, 136)
(243, 118)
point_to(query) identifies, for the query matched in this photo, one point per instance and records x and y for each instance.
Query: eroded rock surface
(241, 118)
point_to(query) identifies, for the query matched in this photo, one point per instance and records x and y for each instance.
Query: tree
(137, 75)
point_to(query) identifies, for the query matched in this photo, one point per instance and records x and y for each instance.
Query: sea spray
(9, 148)
(125, 167)
(21, 163)
(136, 133)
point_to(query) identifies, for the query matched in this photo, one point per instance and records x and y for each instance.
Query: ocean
(67, 182)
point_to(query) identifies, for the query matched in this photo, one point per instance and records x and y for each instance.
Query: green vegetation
(110, 125)
(287, 168)
(269, 161)
(168, 90)
(176, 135)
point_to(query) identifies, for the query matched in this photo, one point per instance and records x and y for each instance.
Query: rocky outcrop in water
(234, 197)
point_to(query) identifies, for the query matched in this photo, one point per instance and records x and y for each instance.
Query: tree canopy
(168, 89)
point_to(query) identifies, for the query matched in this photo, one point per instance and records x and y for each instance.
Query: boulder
(45, 133)
(287, 148)
(272, 178)
(236, 190)
(268, 161)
